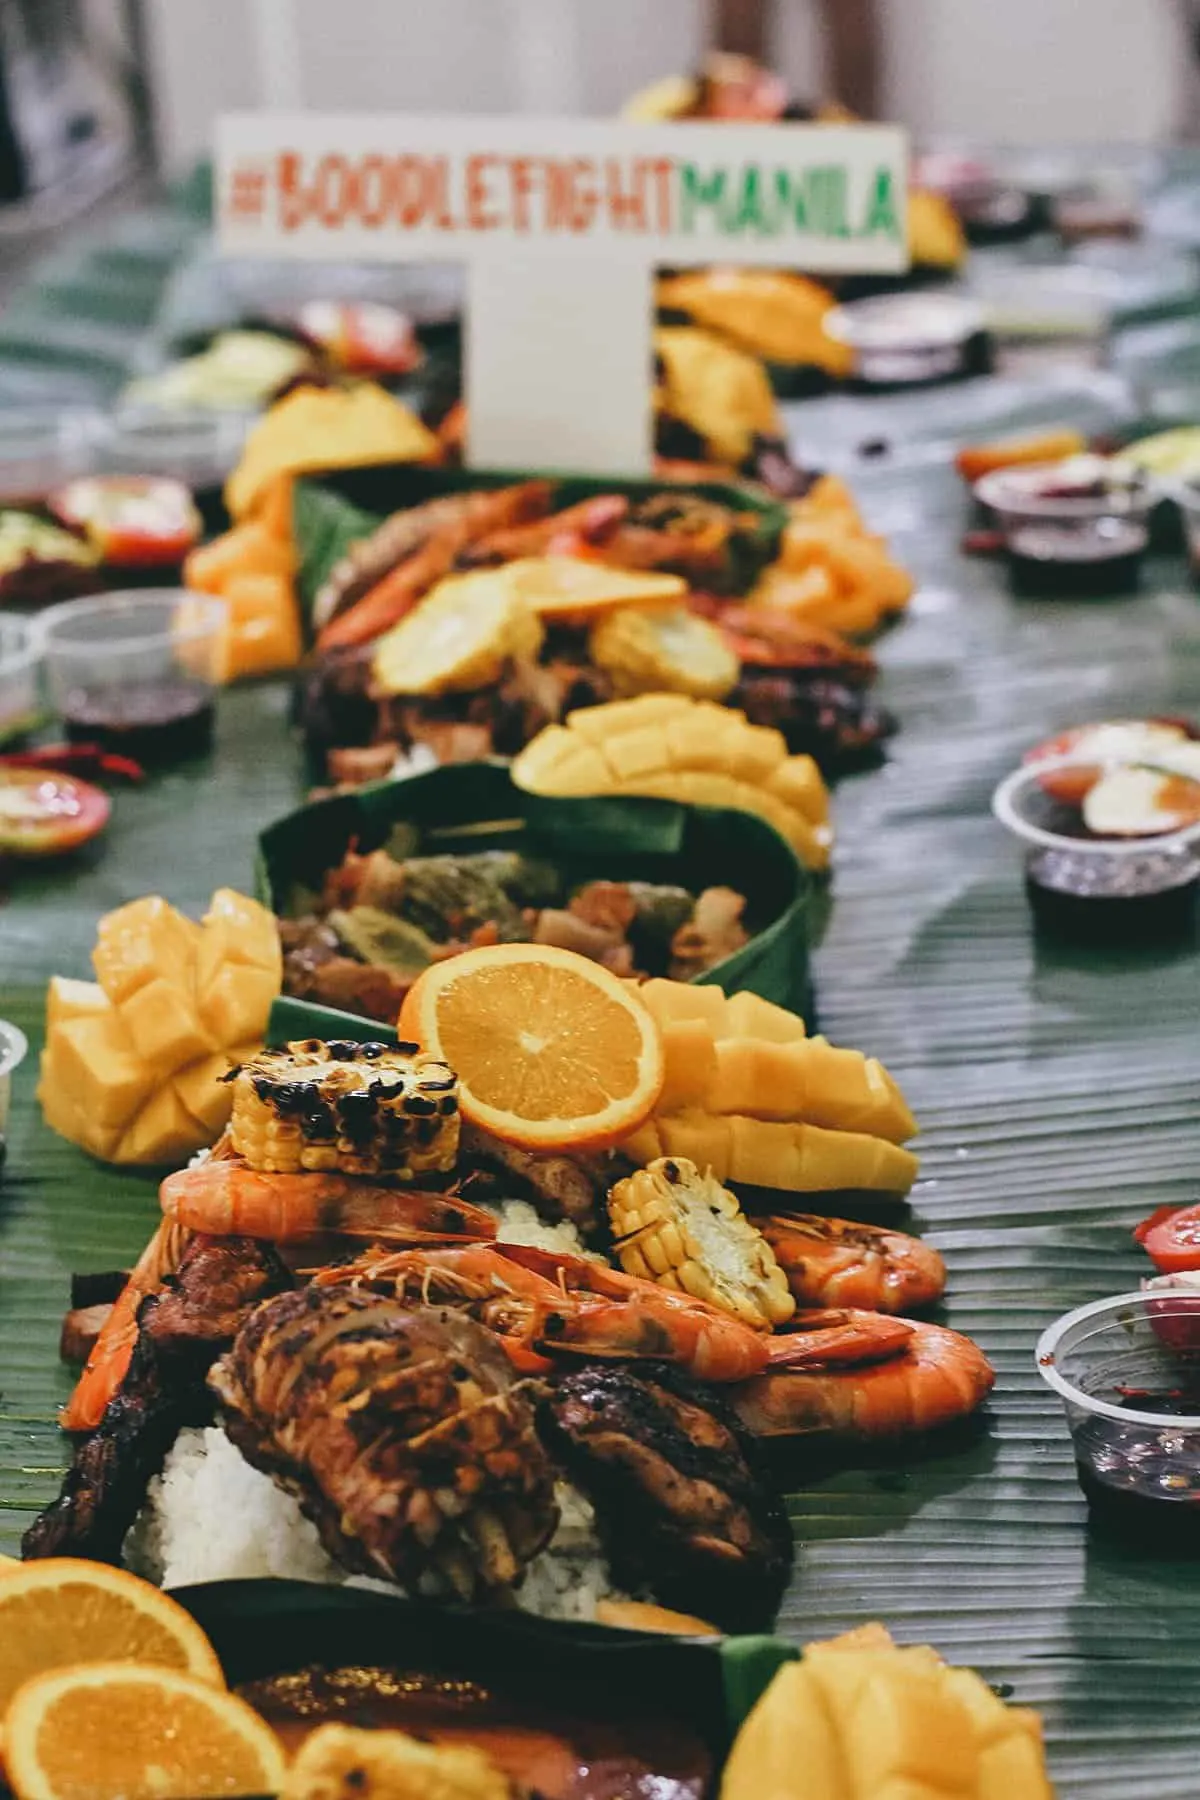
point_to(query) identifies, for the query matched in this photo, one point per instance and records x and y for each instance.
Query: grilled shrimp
(226, 1197)
(106, 1367)
(833, 1262)
(929, 1378)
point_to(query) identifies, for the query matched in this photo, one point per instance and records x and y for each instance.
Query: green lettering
(827, 200)
(881, 207)
(790, 196)
(698, 191)
(753, 203)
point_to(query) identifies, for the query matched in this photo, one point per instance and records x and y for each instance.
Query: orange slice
(551, 1050)
(63, 1611)
(102, 1729)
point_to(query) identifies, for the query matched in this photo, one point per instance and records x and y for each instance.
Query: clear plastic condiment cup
(20, 660)
(1125, 1370)
(14, 1048)
(136, 671)
(907, 337)
(39, 450)
(1089, 874)
(196, 447)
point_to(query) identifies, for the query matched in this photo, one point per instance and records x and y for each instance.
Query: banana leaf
(474, 806)
(330, 512)
(1055, 1084)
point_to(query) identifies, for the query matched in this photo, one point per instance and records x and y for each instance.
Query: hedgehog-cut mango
(786, 1155)
(672, 747)
(135, 1062)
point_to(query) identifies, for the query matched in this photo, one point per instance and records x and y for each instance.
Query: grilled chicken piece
(558, 1187)
(181, 1331)
(404, 1436)
(681, 1504)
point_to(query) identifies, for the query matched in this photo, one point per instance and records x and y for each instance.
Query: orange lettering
(626, 205)
(290, 189)
(439, 172)
(586, 196)
(478, 216)
(521, 171)
(411, 187)
(662, 169)
(372, 191)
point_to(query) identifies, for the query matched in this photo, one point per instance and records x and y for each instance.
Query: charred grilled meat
(404, 1435)
(679, 1500)
(181, 1331)
(558, 1187)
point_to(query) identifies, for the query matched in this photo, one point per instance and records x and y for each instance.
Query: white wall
(1035, 71)
(1021, 71)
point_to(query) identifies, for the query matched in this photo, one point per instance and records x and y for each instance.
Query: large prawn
(546, 1305)
(834, 1262)
(825, 1377)
(224, 1197)
(106, 1367)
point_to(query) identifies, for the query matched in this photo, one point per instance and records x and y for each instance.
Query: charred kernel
(448, 1106)
(406, 1049)
(436, 1085)
(419, 1106)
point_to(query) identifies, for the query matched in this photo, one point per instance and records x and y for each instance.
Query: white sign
(561, 223)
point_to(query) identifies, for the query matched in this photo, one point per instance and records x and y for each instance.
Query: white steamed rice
(210, 1517)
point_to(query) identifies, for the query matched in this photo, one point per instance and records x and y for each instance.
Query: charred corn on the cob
(363, 1109)
(683, 1230)
(664, 647)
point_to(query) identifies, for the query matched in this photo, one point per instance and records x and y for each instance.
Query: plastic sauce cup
(20, 701)
(1127, 1371)
(136, 671)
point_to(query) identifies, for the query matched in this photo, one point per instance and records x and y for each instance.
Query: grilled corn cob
(363, 1109)
(683, 1230)
(459, 637)
(664, 647)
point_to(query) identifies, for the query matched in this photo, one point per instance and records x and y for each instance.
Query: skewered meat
(837, 725)
(180, 1333)
(679, 1500)
(404, 1436)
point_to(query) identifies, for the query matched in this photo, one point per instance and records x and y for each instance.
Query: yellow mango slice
(163, 1131)
(104, 1079)
(797, 782)
(237, 929)
(205, 1093)
(698, 1137)
(690, 1063)
(235, 1006)
(748, 1015)
(788, 1748)
(596, 724)
(902, 1725)
(635, 754)
(141, 940)
(67, 999)
(645, 1145)
(163, 1026)
(1014, 1768)
(62, 1115)
(668, 1001)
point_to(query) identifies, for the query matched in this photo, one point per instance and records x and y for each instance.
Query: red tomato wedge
(1110, 741)
(133, 521)
(1171, 1238)
(43, 814)
(361, 336)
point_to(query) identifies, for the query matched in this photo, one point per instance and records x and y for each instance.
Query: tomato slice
(43, 814)
(1171, 1238)
(361, 336)
(134, 521)
(1112, 740)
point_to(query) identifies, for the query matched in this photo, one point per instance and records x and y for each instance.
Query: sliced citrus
(64, 1611)
(551, 1050)
(102, 1729)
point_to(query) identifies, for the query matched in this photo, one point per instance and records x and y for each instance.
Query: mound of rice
(210, 1517)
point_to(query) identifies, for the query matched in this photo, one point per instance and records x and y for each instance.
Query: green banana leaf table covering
(1057, 1091)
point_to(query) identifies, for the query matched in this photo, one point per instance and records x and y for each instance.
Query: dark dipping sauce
(1146, 1489)
(559, 1750)
(160, 722)
(1098, 556)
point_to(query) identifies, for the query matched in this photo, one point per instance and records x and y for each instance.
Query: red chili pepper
(76, 759)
